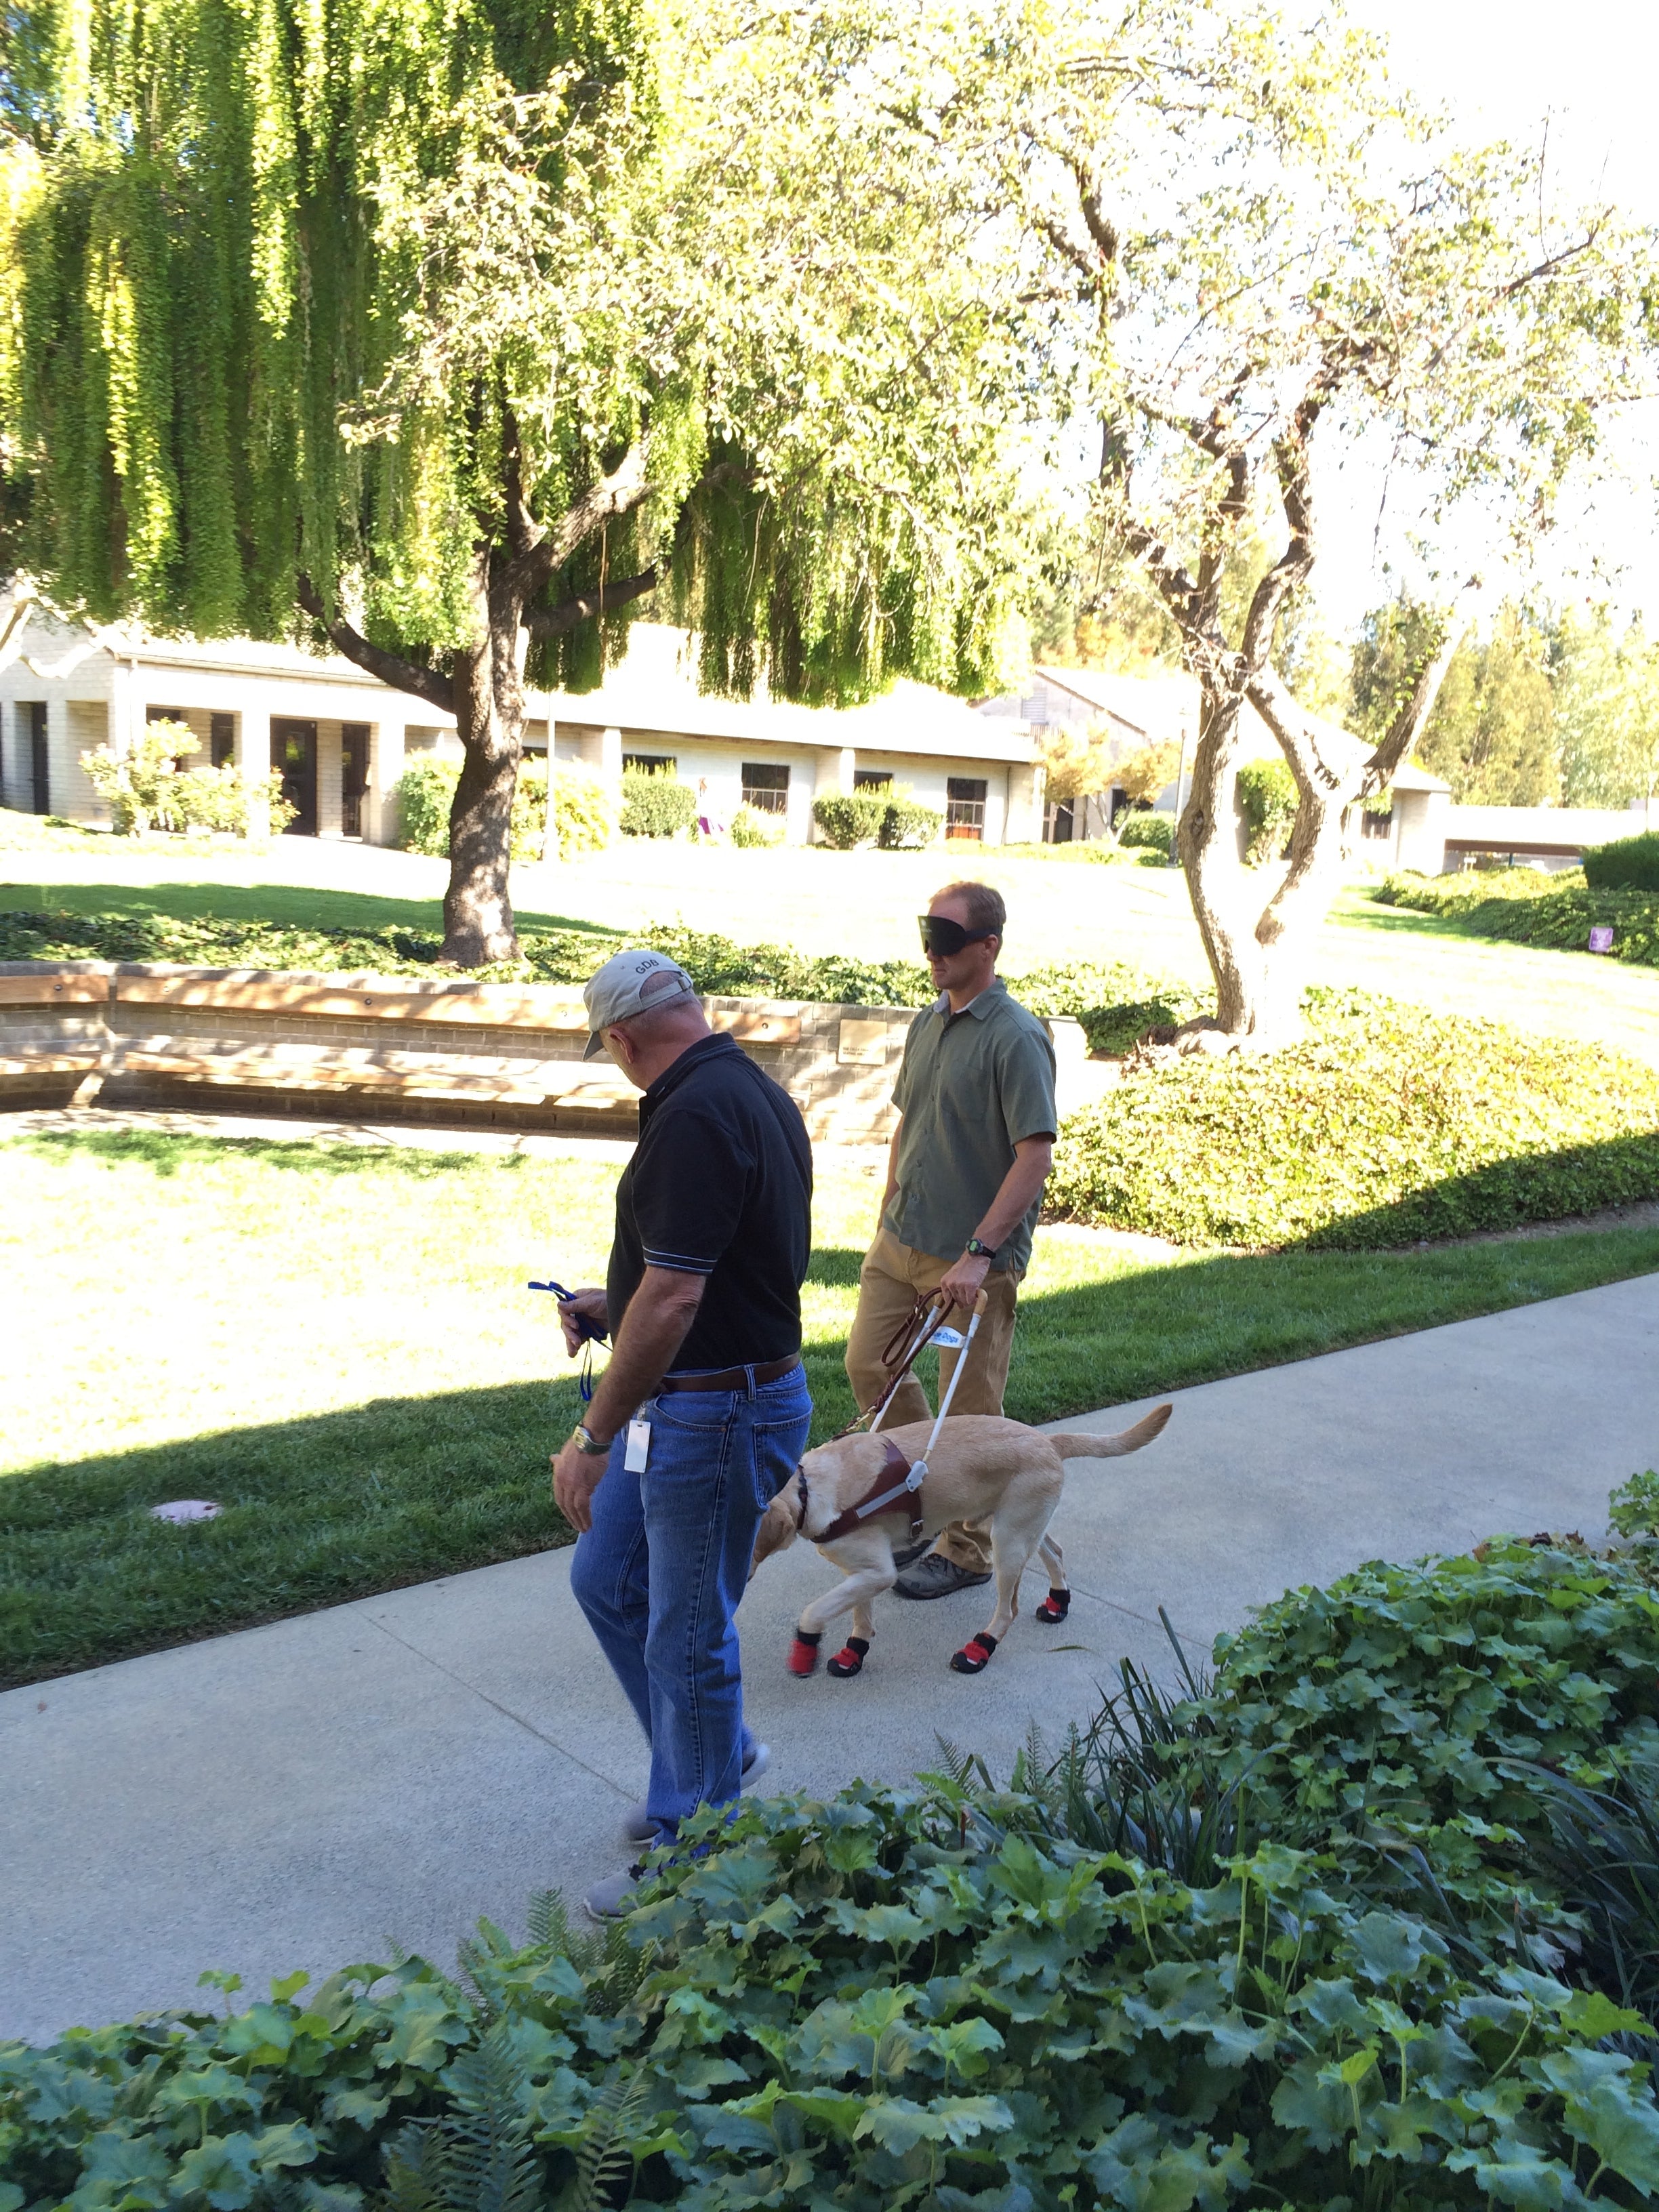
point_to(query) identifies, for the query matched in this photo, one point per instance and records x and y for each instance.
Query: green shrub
(1633, 1508)
(1629, 864)
(1155, 833)
(426, 794)
(848, 818)
(1267, 799)
(656, 803)
(1383, 1126)
(586, 811)
(906, 826)
(754, 831)
(1524, 906)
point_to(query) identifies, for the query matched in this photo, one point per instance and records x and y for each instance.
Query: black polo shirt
(721, 1185)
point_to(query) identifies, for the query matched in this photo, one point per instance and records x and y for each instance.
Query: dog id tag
(639, 1444)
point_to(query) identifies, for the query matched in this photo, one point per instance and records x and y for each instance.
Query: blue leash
(591, 1333)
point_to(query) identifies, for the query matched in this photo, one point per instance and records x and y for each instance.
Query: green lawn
(861, 904)
(336, 1344)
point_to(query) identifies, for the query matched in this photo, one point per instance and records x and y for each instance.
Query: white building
(342, 738)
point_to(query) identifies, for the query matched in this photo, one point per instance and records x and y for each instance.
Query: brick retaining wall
(380, 1047)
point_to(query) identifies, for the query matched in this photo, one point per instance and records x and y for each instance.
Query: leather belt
(728, 1378)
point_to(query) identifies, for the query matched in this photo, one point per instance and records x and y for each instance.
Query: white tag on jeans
(639, 1444)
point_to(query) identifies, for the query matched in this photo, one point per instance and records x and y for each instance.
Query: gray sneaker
(936, 1576)
(611, 1899)
(639, 1827)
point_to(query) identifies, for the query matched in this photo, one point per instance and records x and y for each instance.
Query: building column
(1023, 823)
(611, 753)
(386, 767)
(254, 759)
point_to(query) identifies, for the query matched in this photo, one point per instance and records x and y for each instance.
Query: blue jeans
(661, 1570)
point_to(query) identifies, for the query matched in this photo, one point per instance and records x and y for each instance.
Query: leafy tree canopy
(473, 325)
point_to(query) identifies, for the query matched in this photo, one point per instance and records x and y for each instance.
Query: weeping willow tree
(452, 333)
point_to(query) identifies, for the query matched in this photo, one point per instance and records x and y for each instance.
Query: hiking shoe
(611, 1899)
(938, 1576)
(639, 1827)
(906, 1555)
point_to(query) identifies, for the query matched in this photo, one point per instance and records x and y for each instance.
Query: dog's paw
(974, 1655)
(1055, 1606)
(803, 1651)
(849, 1660)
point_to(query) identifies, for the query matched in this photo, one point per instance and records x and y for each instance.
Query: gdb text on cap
(629, 983)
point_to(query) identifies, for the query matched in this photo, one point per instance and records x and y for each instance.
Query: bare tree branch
(429, 684)
(1414, 710)
(583, 607)
(627, 487)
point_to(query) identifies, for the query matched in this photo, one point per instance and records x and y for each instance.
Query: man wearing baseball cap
(703, 1413)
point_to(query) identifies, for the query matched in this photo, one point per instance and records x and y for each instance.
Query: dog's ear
(779, 1527)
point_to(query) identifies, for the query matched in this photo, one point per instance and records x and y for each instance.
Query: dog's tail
(1077, 1446)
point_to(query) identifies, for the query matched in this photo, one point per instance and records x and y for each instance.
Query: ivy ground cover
(1358, 1987)
(1382, 1127)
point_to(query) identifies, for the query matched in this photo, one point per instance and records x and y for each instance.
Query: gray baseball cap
(628, 983)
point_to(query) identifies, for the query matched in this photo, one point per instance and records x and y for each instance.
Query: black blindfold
(942, 937)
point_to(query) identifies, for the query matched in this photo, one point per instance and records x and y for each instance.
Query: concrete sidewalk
(311, 1792)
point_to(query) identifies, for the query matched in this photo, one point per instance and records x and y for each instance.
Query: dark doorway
(33, 713)
(221, 740)
(354, 776)
(293, 757)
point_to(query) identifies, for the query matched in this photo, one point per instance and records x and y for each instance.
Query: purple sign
(1601, 938)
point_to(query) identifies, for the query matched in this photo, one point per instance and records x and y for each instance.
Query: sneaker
(639, 1827)
(906, 1555)
(611, 1899)
(938, 1576)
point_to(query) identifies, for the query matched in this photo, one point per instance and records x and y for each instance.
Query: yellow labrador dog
(848, 1498)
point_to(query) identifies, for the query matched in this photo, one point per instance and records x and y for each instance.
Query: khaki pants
(892, 1276)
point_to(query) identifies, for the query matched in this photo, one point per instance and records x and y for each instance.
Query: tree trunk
(1208, 839)
(478, 925)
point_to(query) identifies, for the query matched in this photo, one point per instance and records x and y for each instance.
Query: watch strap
(977, 1251)
(586, 1443)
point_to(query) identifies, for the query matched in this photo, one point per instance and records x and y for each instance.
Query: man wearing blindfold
(972, 1150)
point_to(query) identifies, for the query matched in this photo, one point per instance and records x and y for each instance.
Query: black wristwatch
(977, 1251)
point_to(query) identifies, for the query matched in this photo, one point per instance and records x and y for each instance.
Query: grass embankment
(1525, 906)
(208, 1319)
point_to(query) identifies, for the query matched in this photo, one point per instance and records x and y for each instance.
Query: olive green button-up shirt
(971, 1087)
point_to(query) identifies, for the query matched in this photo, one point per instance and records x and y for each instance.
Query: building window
(652, 764)
(964, 807)
(871, 779)
(765, 789)
(1376, 826)
(221, 740)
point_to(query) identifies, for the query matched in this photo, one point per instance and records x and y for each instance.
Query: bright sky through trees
(1507, 68)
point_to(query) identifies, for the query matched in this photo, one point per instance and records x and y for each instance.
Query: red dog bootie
(803, 1651)
(974, 1655)
(1055, 1606)
(849, 1660)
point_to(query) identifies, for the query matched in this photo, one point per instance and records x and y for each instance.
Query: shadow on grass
(340, 1506)
(168, 1150)
(289, 905)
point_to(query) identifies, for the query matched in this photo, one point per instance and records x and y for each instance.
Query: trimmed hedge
(656, 805)
(907, 825)
(1628, 864)
(426, 792)
(945, 1999)
(1268, 799)
(1115, 1003)
(848, 818)
(1525, 906)
(1384, 1126)
(1156, 832)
